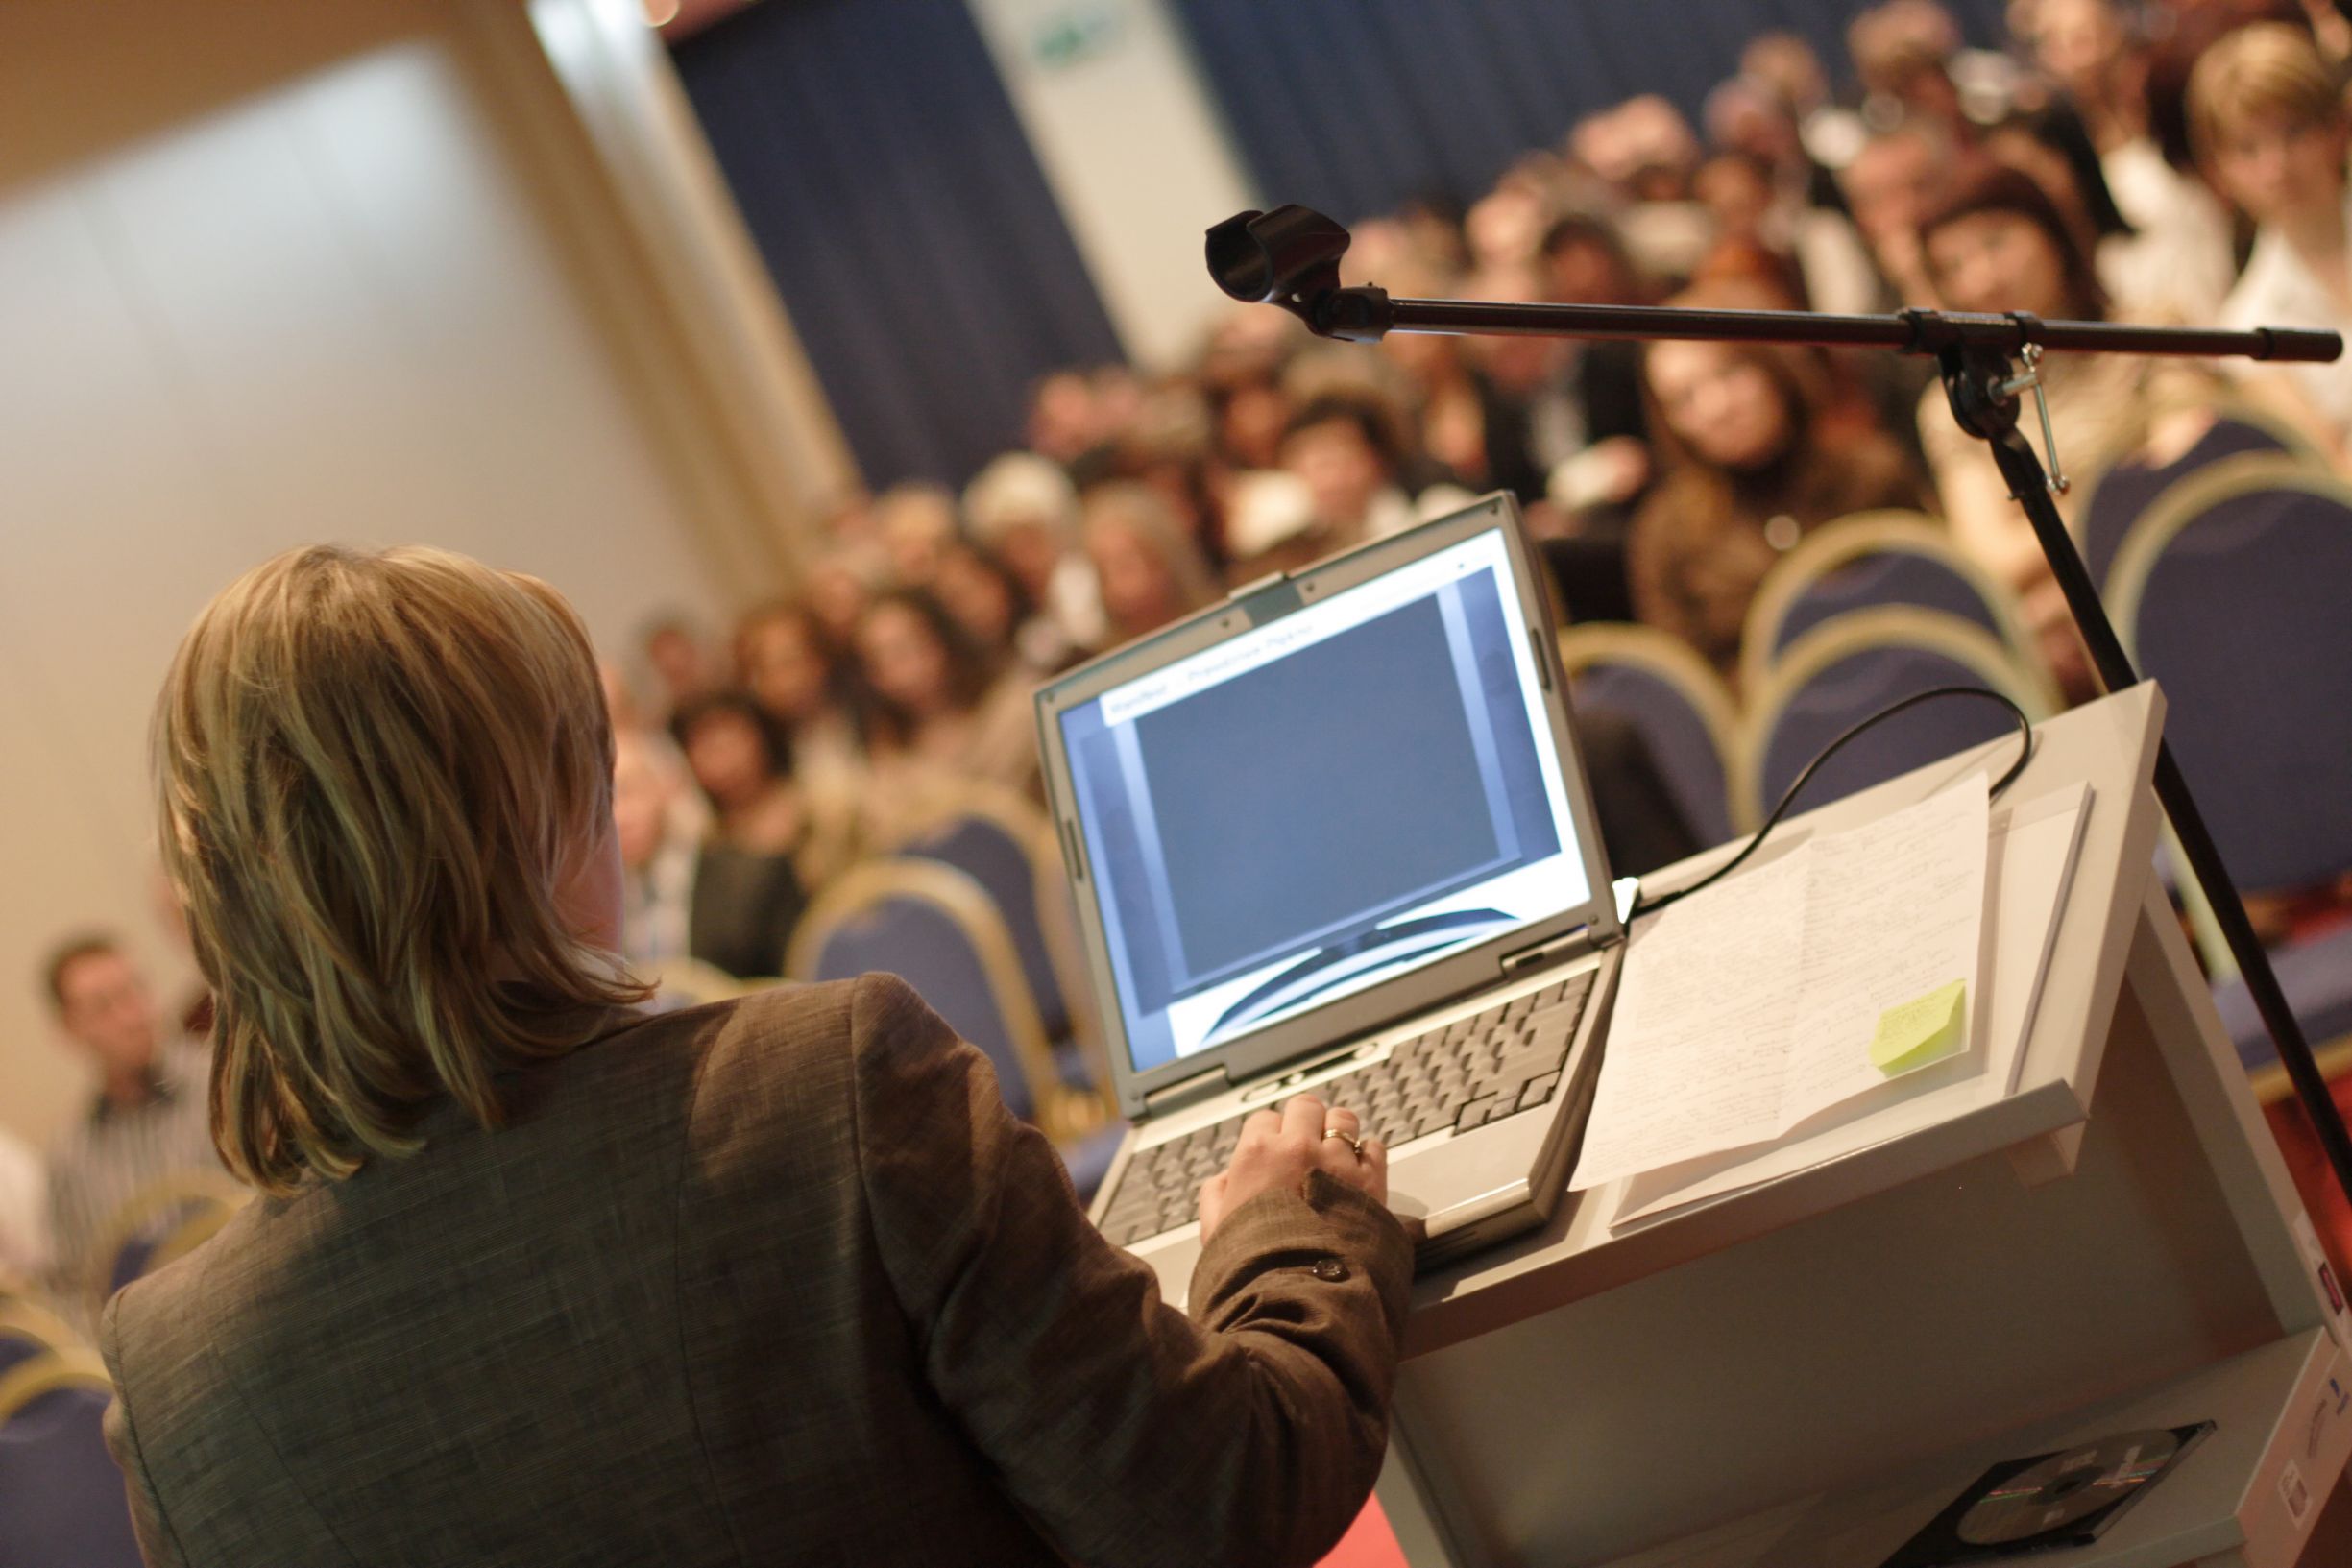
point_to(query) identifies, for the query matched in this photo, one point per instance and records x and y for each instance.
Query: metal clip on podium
(1291, 257)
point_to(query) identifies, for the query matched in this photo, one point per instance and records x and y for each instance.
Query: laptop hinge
(1190, 1091)
(1579, 940)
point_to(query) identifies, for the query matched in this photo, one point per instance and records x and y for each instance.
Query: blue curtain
(894, 193)
(1354, 107)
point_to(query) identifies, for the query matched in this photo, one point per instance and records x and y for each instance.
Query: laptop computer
(1333, 833)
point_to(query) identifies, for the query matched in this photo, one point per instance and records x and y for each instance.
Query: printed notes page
(1749, 1007)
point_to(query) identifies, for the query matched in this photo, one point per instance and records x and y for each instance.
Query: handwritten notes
(1749, 1007)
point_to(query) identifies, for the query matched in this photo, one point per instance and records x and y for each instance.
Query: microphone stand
(1290, 258)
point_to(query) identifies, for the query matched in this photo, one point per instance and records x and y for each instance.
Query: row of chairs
(2228, 585)
(61, 1502)
(973, 911)
(1865, 611)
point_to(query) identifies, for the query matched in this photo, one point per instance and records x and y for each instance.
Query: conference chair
(61, 1500)
(161, 1223)
(2110, 502)
(1864, 561)
(1681, 707)
(988, 835)
(28, 1330)
(1841, 673)
(2233, 593)
(934, 927)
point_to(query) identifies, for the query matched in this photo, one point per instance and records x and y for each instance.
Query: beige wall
(273, 270)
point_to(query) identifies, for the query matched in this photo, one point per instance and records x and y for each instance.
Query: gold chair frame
(1854, 538)
(1884, 627)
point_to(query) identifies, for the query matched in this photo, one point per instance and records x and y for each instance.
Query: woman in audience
(771, 842)
(1755, 456)
(2268, 116)
(786, 660)
(763, 1280)
(1151, 573)
(1998, 243)
(1025, 509)
(940, 716)
(975, 586)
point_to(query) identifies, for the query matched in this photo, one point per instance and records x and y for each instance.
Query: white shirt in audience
(2278, 290)
(2178, 266)
(24, 1211)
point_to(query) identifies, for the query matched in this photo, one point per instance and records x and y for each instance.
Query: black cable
(2024, 728)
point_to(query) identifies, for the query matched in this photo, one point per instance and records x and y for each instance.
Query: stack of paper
(1748, 1008)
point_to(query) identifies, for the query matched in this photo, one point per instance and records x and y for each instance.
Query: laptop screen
(1323, 802)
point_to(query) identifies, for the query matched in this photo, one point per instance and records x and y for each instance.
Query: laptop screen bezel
(1362, 1012)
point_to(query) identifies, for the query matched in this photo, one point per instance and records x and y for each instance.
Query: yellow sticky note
(1914, 1033)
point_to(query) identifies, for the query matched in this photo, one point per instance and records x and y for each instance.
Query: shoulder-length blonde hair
(376, 773)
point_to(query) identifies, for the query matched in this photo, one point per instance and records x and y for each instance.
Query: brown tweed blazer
(777, 1280)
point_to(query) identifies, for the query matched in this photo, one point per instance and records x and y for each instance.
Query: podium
(1801, 1373)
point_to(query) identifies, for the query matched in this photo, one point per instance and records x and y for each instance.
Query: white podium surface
(1801, 1373)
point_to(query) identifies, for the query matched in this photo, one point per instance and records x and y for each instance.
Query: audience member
(1151, 573)
(147, 1120)
(916, 522)
(1996, 243)
(940, 717)
(787, 661)
(771, 840)
(2268, 114)
(1752, 461)
(1026, 509)
(1891, 183)
(659, 844)
(678, 662)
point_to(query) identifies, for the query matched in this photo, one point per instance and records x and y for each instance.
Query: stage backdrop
(1352, 106)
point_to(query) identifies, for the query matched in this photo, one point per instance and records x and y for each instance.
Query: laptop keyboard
(1462, 1076)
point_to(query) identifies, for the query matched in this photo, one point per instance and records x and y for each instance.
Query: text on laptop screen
(1323, 802)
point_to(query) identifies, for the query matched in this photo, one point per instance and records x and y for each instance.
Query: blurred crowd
(2166, 163)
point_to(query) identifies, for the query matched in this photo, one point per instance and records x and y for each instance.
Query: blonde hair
(375, 772)
(2265, 68)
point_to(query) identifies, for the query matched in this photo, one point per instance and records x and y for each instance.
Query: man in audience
(149, 1118)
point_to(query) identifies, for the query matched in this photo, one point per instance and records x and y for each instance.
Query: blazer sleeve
(1131, 1434)
(156, 1543)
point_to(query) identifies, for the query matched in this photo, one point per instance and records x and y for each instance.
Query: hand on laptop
(1277, 1149)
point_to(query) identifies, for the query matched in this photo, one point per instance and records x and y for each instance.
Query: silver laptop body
(1333, 833)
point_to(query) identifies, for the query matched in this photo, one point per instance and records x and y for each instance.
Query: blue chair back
(989, 852)
(2125, 491)
(61, 1499)
(927, 948)
(2234, 596)
(1677, 734)
(1892, 577)
(1843, 674)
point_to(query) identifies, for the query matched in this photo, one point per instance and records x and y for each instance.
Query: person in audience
(2268, 116)
(1348, 448)
(770, 843)
(771, 1278)
(1025, 509)
(1151, 573)
(838, 586)
(989, 602)
(658, 844)
(784, 660)
(1891, 183)
(1998, 243)
(1903, 51)
(940, 718)
(145, 1123)
(1753, 461)
(2179, 262)
(681, 666)
(24, 1213)
(916, 522)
